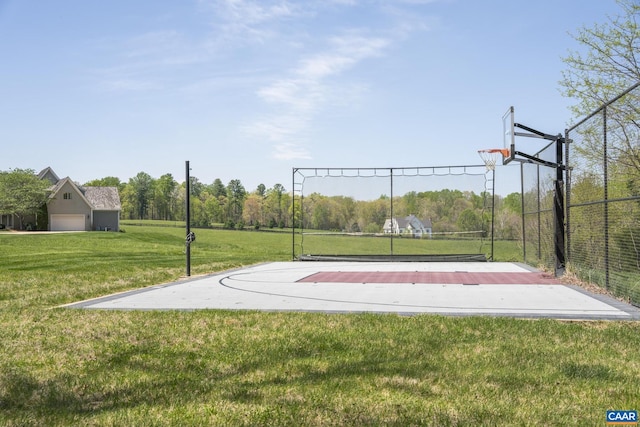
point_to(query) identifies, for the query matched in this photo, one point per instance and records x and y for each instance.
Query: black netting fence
(422, 213)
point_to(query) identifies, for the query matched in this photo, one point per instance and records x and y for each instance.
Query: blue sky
(248, 89)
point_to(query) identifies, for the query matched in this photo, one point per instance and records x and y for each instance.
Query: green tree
(410, 200)
(236, 194)
(198, 214)
(608, 61)
(128, 202)
(585, 242)
(294, 211)
(372, 215)
(321, 216)
(196, 187)
(513, 203)
(164, 196)
(218, 189)
(469, 220)
(274, 206)
(22, 193)
(285, 202)
(219, 211)
(252, 210)
(108, 181)
(142, 188)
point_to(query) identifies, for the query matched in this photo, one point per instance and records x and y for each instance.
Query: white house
(408, 225)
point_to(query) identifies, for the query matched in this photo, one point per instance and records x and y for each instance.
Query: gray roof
(48, 173)
(102, 198)
(404, 222)
(57, 186)
(98, 198)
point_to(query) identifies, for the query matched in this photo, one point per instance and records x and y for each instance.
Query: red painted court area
(432, 277)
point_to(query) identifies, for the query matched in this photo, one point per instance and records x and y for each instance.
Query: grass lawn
(89, 367)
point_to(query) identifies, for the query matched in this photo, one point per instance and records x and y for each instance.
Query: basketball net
(490, 156)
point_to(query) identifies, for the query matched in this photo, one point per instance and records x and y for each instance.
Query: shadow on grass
(144, 376)
(582, 371)
(292, 369)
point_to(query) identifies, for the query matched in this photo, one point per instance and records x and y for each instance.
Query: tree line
(215, 204)
(233, 206)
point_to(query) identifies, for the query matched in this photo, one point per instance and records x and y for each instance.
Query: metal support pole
(558, 194)
(539, 214)
(567, 195)
(522, 216)
(605, 170)
(391, 224)
(558, 212)
(293, 214)
(188, 217)
(493, 208)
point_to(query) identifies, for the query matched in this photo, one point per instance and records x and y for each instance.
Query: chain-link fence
(603, 196)
(602, 199)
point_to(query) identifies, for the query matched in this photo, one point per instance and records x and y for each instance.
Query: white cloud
(280, 128)
(309, 74)
(290, 151)
(129, 85)
(249, 13)
(147, 62)
(311, 88)
(250, 21)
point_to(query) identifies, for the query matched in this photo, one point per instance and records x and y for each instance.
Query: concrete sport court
(445, 288)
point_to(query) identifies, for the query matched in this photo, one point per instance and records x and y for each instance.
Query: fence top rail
(602, 107)
(394, 168)
(371, 172)
(602, 202)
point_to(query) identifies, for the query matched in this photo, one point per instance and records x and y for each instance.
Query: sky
(249, 89)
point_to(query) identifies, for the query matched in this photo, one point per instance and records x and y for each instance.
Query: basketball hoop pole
(558, 191)
(491, 155)
(558, 211)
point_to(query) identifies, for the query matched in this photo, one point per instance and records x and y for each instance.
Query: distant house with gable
(72, 207)
(409, 225)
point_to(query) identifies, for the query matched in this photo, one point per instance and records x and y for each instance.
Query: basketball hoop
(490, 156)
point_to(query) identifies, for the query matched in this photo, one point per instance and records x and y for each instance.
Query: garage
(67, 222)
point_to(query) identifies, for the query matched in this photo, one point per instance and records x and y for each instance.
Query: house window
(67, 196)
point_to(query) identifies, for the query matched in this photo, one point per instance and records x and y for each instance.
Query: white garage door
(67, 222)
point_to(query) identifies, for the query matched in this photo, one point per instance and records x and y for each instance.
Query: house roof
(50, 173)
(97, 198)
(58, 186)
(403, 222)
(102, 198)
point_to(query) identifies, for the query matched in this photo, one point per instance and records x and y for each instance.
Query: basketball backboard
(509, 150)
(508, 135)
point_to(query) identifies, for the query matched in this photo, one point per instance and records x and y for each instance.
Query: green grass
(88, 367)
